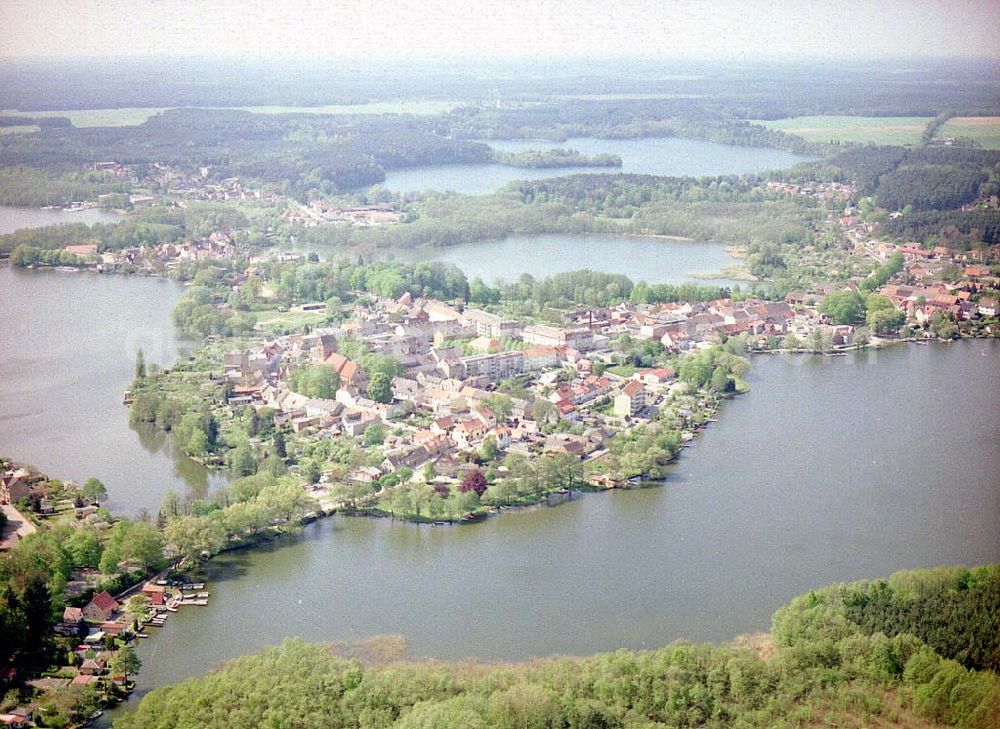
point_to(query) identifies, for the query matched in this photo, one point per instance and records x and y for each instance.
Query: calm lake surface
(641, 258)
(831, 469)
(14, 218)
(70, 342)
(651, 155)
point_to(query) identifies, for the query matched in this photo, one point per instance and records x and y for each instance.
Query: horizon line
(545, 58)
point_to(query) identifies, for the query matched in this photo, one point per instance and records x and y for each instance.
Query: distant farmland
(982, 129)
(129, 117)
(861, 129)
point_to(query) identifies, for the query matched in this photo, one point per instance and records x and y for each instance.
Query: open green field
(861, 129)
(420, 108)
(283, 322)
(135, 116)
(94, 117)
(19, 129)
(982, 129)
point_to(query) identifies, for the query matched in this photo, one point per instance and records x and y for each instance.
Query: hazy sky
(489, 28)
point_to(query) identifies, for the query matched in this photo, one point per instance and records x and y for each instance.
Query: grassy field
(134, 116)
(95, 117)
(283, 322)
(982, 129)
(19, 129)
(861, 129)
(420, 108)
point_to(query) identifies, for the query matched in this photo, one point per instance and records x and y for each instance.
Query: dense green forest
(959, 228)
(297, 152)
(34, 187)
(629, 118)
(750, 89)
(541, 159)
(922, 178)
(830, 664)
(729, 209)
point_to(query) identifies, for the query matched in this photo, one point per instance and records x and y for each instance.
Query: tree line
(825, 670)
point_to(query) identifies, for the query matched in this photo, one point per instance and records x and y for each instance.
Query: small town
(435, 365)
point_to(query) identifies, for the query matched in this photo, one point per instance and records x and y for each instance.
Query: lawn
(861, 129)
(982, 129)
(284, 322)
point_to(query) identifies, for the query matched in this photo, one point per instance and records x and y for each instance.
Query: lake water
(641, 258)
(651, 155)
(15, 218)
(831, 469)
(70, 341)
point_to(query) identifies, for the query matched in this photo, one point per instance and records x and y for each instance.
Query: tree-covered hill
(924, 178)
(832, 666)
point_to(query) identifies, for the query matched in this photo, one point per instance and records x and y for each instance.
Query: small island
(552, 158)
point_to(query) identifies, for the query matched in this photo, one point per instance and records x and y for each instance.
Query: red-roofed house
(154, 592)
(631, 399)
(352, 375)
(101, 608)
(654, 376)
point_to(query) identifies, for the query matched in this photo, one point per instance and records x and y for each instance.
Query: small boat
(141, 635)
(472, 517)
(96, 715)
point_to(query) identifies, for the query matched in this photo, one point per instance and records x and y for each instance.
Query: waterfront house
(113, 628)
(155, 593)
(15, 485)
(100, 608)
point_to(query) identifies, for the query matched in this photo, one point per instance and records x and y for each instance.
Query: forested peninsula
(920, 648)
